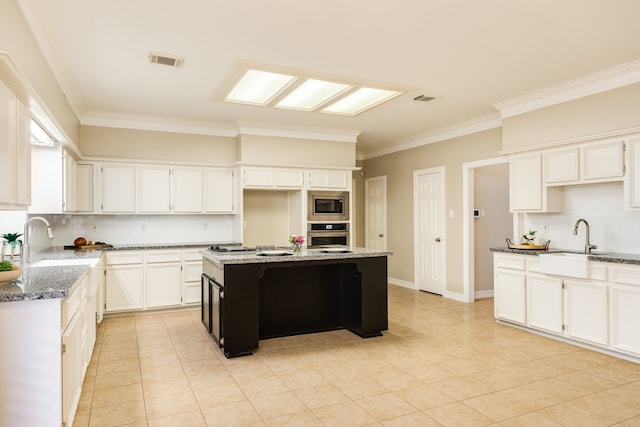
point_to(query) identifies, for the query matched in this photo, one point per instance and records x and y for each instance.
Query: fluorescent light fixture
(312, 93)
(259, 87)
(360, 100)
(39, 136)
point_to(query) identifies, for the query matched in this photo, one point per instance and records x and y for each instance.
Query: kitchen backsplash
(611, 227)
(125, 229)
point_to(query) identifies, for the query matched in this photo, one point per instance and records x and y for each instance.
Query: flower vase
(296, 248)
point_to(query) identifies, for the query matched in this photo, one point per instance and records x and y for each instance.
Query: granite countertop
(61, 280)
(48, 282)
(612, 257)
(253, 257)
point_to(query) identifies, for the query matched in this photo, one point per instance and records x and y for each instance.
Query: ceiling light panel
(311, 94)
(259, 87)
(360, 100)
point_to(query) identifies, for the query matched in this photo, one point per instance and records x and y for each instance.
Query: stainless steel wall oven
(327, 234)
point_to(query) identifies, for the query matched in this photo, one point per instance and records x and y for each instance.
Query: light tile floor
(441, 363)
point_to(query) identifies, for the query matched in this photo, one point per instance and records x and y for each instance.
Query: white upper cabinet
(561, 166)
(186, 190)
(329, 179)
(153, 189)
(603, 161)
(218, 190)
(84, 187)
(526, 190)
(68, 182)
(594, 162)
(632, 178)
(118, 188)
(15, 144)
(258, 177)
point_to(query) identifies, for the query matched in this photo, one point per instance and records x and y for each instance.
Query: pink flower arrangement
(296, 240)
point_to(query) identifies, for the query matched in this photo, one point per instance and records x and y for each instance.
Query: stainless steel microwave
(328, 206)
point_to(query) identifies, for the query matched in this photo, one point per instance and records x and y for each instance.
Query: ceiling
(467, 54)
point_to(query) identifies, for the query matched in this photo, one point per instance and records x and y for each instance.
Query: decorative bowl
(8, 276)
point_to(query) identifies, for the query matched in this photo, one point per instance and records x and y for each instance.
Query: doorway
(375, 213)
(487, 222)
(429, 230)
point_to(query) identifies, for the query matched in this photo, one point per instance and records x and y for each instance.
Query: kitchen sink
(565, 264)
(65, 262)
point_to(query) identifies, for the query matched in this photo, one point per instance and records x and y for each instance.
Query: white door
(375, 213)
(428, 188)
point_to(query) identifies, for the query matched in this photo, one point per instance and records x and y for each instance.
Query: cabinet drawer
(214, 272)
(192, 271)
(511, 262)
(71, 303)
(533, 265)
(163, 256)
(598, 271)
(124, 258)
(628, 276)
(193, 254)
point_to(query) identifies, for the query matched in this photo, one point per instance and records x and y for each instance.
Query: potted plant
(12, 239)
(9, 272)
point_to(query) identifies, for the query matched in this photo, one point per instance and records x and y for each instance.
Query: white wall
(612, 228)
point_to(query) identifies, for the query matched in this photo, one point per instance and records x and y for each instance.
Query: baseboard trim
(403, 283)
(483, 294)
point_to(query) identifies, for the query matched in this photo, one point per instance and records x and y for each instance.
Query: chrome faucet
(588, 246)
(26, 250)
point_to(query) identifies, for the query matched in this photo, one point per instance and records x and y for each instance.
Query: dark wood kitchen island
(248, 296)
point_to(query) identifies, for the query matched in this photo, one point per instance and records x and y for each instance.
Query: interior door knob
(381, 235)
(437, 239)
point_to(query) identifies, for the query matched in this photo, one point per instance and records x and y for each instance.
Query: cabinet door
(124, 287)
(561, 166)
(84, 187)
(289, 178)
(186, 190)
(587, 312)
(545, 303)
(603, 160)
(329, 179)
(72, 367)
(525, 182)
(625, 307)
(632, 179)
(218, 197)
(163, 285)
(68, 182)
(118, 188)
(153, 189)
(8, 146)
(191, 286)
(510, 296)
(257, 177)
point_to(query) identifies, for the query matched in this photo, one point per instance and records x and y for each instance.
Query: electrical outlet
(546, 227)
(95, 227)
(206, 226)
(142, 227)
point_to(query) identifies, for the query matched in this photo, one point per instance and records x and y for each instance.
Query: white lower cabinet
(587, 311)
(625, 309)
(192, 270)
(124, 281)
(73, 362)
(510, 288)
(145, 280)
(545, 303)
(163, 279)
(602, 311)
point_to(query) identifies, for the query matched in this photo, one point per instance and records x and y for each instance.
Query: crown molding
(611, 78)
(479, 124)
(244, 128)
(156, 123)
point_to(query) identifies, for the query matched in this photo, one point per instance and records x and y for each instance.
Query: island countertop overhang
(252, 257)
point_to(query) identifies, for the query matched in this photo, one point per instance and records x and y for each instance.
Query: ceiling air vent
(172, 61)
(422, 98)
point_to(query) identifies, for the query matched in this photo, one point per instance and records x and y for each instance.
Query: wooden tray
(106, 245)
(527, 246)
